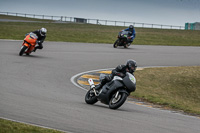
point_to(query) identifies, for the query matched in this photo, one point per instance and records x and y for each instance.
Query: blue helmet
(131, 27)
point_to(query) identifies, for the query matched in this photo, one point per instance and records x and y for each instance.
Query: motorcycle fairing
(130, 82)
(30, 42)
(108, 89)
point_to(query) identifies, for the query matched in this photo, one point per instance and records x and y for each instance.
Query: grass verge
(173, 87)
(89, 33)
(7, 126)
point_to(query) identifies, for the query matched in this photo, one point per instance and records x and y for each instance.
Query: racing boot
(34, 50)
(98, 87)
(103, 82)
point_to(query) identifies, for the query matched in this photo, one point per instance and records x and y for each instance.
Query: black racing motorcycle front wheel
(23, 49)
(90, 97)
(116, 43)
(116, 102)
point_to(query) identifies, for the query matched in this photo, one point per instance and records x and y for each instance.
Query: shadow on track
(121, 109)
(31, 56)
(129, 48)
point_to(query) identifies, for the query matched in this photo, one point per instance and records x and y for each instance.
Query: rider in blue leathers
(132, 37)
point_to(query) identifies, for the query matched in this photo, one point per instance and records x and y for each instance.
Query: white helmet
(43, 31)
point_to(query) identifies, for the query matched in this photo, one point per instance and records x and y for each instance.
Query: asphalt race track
(36, 89)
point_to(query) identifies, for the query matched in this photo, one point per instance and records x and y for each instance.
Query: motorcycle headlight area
(133, 79)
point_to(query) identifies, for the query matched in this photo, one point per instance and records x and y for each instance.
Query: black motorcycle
(113, 93)
(122, 39)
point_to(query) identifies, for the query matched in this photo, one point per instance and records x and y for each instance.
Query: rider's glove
(38, 41)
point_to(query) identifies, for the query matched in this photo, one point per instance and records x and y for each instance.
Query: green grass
(7, 126)
(174, 87)
(89, 33)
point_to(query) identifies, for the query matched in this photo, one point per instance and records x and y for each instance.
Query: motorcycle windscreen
(129, 83)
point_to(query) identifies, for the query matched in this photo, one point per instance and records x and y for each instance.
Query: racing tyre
(116, 44)
(90, 97)
(115, 103)
(23, 49)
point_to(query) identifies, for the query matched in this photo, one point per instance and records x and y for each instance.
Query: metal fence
(93, 21)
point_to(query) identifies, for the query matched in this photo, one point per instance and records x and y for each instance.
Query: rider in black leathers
(41, 33)
(119, 71)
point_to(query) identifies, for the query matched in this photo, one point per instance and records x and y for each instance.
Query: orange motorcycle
(29, 44)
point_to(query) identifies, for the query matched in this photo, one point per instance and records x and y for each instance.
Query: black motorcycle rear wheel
(115, 103)
(90, 97)
(23, 49)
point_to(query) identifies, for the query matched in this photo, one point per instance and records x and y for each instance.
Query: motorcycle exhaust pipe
(92, 86)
